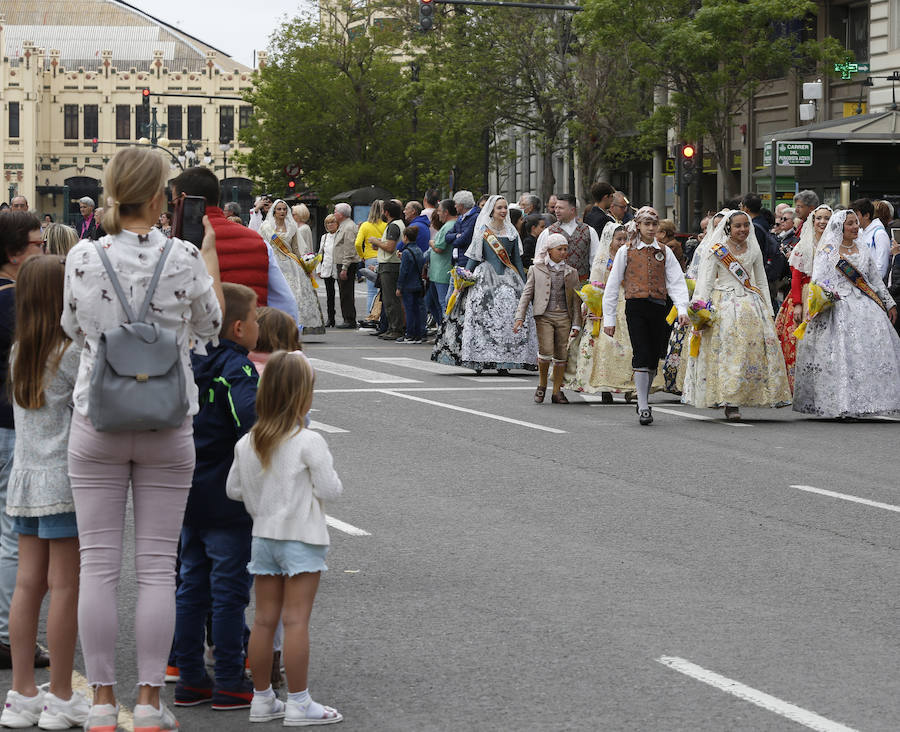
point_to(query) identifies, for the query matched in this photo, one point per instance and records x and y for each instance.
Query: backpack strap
(117, 287)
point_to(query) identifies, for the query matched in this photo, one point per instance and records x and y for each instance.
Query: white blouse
(184, 300)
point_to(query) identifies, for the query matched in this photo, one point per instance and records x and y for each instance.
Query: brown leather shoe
(539, 394)
(559, 398)
(41, 659)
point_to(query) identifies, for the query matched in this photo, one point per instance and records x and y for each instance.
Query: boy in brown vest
(649, 273)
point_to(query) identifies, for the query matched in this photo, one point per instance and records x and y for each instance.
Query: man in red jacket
(244, 257)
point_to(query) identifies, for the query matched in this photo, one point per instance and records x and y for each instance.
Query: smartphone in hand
(187, 220)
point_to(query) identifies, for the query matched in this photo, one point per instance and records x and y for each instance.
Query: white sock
(265, 694)
(642, 387)
(146, 709)
(300, 697)
(314, 710)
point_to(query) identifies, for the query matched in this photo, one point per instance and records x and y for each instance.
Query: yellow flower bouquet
(702, 315)
(309, 262)
(673, 313)
(591, 294)
(462, 278)
(818, 300)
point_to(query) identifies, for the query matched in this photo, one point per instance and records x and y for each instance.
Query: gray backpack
(138, 381)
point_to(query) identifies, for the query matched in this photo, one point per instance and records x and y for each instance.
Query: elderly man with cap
(88, 225)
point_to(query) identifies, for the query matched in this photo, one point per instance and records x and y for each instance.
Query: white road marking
(847, 497)
(425, 388)
(885, 418)
(353, 372)
(431, 367)
(702, 417)
(322, 427)
(754, 696)
(345, 527)
(455, 408)
(493, 379)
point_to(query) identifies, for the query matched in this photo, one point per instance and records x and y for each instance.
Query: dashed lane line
(345, 527)
(754, 696)
(376, 390)
(488, 415)
(701, 417)
(848, 497)
(330, 429)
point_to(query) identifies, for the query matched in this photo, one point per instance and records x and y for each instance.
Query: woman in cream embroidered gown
(848, 363)
(602, 363)
(279, 222)
(740, 361)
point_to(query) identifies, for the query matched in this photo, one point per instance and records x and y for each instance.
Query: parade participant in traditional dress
(495, 257)
(848, 362)
(793, 309)
(280, 230)
(740, 361)
(675, 364)
(551, 292)
(583, 240)
(600, 363)
(649, 273)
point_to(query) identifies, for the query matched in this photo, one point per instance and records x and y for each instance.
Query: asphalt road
(547, 567)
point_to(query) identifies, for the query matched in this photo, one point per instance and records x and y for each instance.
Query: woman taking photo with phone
(157, 464)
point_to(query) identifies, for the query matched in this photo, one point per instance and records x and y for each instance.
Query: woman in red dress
(793, 308)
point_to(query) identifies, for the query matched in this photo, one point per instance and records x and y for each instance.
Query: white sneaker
(22, 711)
(266, 708)
(300, 715)
(59, 714)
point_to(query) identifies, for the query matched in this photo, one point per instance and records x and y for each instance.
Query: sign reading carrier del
(796, 153)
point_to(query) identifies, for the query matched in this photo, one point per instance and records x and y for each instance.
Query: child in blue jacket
(215, 537)
(409, 286)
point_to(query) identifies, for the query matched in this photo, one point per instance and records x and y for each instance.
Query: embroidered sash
(497, 247)
(732, 265)
(279, 244)
(859, 279)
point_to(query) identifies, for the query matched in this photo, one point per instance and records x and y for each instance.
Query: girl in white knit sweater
(282, 472)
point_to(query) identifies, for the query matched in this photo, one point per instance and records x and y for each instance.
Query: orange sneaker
(172, 674)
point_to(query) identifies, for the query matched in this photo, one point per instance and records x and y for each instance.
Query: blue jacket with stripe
(226, 380)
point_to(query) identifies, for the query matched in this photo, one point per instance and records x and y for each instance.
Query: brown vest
(579, 255)
(645, 274)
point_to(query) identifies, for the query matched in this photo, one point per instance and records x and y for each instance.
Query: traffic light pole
(119, 143)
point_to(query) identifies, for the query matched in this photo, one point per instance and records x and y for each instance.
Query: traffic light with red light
(292, 186)
(426, 15)
(688, 163)
(94, 142)
(145, 103)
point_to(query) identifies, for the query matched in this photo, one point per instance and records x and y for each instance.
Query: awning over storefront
(879, 127)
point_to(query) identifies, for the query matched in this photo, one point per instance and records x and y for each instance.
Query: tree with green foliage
(711, 56)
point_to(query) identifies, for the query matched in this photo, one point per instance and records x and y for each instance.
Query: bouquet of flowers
(818, 300)
(673, 313)
(462, 278)
(702, 315)
(592, 295)
(309, 262)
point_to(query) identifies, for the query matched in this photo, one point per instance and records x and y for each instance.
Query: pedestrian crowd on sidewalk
(137, 361)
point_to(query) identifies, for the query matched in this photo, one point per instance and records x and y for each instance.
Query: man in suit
(88, 227)
(460, 236)
(347, 260)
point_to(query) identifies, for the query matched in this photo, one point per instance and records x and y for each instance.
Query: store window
(850, 25)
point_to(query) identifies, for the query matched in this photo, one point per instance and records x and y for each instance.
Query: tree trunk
(548, 180)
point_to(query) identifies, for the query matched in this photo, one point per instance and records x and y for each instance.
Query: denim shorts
(55, 526)
(274, 556)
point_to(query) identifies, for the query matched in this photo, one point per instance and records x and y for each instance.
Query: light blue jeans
(9, 540)
(370, 285)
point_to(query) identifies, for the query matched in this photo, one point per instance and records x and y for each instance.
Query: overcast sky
(237, 28)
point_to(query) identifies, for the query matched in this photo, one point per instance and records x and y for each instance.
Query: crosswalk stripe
(354, 372)
(345, 527)
(700, 417)
(493, 379)
(413, 363)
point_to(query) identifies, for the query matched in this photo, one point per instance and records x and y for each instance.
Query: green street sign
(848, 68)
(797, 154)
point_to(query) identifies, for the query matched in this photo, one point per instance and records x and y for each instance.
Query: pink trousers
(158, 466)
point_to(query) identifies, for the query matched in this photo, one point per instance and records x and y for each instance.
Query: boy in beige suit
(550, 289)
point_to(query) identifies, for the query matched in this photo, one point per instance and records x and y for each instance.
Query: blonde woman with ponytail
(158, 465)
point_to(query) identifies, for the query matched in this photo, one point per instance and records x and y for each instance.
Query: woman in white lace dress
(848, 362)
(280, 230)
